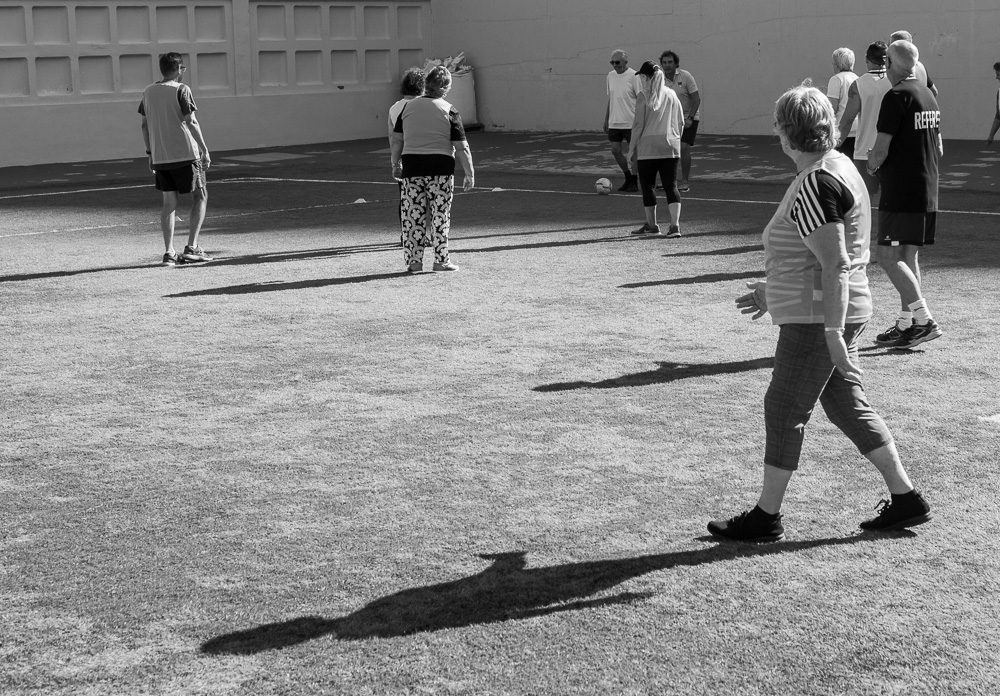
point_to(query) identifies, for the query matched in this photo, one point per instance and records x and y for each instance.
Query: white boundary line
(262, 179)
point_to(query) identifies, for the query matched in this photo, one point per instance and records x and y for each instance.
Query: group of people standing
(655, 112)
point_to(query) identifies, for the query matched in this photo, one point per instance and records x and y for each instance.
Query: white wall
(263, 72)
(540, 64)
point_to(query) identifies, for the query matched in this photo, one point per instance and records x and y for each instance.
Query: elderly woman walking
(656, 146)
(427, 137)
(837, 91)
(816, 249)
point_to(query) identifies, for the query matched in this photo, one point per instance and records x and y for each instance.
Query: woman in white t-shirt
(836, 92)
(410, 87)
(655, 147)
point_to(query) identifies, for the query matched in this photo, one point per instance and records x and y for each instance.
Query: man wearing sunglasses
(622, 91)
(177, 155)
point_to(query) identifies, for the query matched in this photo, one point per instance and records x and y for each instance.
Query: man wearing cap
(864, 97)
(622, 90)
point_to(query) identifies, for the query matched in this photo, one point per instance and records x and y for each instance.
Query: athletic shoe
(642, 230)
(195, 254)
(631, 184)
(674, 231)
(892, 516)
(415, 267)
(446, 266)
(171, 259)
(752, 525)
(919, 333)
(654, 231)
(683, 188)
(890, 337)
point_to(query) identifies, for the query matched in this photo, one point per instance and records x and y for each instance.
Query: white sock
(921, 314)
(904, 321)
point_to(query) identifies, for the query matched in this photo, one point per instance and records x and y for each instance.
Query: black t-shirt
(909, 175)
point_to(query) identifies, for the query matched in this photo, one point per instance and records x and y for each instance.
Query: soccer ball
(603, 186)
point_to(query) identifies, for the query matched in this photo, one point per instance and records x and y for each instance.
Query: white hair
(843, 59)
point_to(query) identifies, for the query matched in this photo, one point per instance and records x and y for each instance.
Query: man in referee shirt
(905, 158)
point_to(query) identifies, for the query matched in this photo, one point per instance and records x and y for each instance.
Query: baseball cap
(648, 68)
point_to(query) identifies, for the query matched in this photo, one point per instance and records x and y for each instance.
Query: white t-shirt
(622, 91)
(394, 112)
(684, 85)
(838, 88)
(872, 86)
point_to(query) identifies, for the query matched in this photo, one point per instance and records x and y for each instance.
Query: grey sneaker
(674, 231)
(195, 254)
(642, 230)
(890, 337)
(415, 267)
(171, 259)
(446, 266)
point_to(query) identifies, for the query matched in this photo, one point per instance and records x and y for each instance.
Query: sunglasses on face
(615, 62)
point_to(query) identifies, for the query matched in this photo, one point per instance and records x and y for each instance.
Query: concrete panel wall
(541, 65)
(263, 72)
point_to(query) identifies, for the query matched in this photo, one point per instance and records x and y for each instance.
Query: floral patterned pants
(426, 202)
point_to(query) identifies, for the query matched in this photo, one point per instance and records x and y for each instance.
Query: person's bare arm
(464, 156)
(828, 244)
(878, 153)
(851, 111)
(195, 129)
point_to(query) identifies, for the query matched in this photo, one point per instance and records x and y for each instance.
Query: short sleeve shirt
(184, 98)
(909, 175)
(838, 88)
(622, 91)
(684, 85)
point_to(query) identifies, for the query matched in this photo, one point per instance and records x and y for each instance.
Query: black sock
(759, 511)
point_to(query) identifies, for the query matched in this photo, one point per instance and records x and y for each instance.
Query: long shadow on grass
(729, 251)
(693, 280)
(251, 288)
(545, 245)
(666, 372)
(305, 255)
(507, 590)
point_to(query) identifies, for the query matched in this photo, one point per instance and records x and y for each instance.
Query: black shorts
(689, 133)
(182, 177)
(895, 229)
(617, 135)
(847, 147)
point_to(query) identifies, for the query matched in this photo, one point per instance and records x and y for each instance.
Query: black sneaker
(195, 254)
(919, 333)
(642, 230)
(890, 337)
(910, 512)
(752, 525)
(171, 259)
(631, 185)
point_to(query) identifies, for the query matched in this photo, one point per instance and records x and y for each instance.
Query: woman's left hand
(841, 357)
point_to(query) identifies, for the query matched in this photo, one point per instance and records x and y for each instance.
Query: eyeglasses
(615, 62)
(182, 68)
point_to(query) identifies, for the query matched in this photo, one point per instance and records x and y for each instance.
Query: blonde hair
(805, 116)
(655, 89)
(843, 59)
(438, 82)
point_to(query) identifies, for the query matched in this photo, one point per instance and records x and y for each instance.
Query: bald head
(903, 55)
